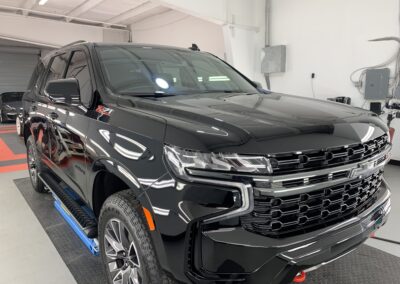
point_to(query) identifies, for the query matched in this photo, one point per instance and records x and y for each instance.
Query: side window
(34, 77)
(78, 68)
(57, 68)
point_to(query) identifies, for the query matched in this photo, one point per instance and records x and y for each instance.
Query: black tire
(34, 165)
(124, 207)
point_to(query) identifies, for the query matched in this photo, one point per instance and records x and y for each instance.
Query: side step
(74, 211)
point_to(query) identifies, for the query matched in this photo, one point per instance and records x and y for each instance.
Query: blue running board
(91, 244)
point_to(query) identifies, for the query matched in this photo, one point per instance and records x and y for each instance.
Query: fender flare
(113, 166)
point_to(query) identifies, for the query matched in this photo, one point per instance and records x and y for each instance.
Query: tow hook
(300, 277)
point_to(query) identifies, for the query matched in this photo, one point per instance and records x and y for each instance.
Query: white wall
(244, 35)
(231, 29)
(179, 29)
(330, 38)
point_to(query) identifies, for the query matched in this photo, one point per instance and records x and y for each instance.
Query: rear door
(43, 123)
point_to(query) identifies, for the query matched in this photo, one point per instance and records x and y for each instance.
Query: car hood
(259, 123)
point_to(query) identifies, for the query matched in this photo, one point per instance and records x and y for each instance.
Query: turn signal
(300, 277)
(149, 219)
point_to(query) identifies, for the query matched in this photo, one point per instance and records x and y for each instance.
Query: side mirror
(260, 88)
(63, 91)
(257, 85)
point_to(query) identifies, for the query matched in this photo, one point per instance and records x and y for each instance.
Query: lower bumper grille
(306, 212)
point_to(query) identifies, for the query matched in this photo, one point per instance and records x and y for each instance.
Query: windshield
(11, 97)
(147, 70)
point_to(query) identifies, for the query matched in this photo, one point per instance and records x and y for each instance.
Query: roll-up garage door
(16, 69)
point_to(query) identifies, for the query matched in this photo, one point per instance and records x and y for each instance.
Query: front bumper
(236, 255)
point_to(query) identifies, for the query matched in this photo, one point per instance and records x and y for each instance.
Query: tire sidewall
(38, 186)
(112, 211)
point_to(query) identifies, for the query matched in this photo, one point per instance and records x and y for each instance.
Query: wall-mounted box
(274, 60)
(377, 84)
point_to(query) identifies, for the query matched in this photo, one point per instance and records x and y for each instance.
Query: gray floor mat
(85, 267)
(366, 265)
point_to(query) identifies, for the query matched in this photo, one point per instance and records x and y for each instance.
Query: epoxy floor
(27, 255)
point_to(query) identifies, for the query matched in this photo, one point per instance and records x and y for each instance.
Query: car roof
(46, 58)
(143, 45)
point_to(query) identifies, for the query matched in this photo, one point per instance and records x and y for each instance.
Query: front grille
(306, 212)
(286, 163)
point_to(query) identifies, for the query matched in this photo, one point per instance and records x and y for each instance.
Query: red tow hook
(300, 277)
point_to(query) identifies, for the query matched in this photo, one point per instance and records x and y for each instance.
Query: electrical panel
(377, 84)
(274, 60)
(397, 92)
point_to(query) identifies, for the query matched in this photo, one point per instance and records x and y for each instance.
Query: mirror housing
(63, 91)
(260, 88)
(257, 85)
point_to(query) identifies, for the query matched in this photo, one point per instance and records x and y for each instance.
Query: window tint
(137, 70)
(11, 97)
(57, 68)
(78, 68)
(33, 82)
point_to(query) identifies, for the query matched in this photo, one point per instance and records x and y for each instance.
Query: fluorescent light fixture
(42, 2)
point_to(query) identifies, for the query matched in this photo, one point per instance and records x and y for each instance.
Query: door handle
(53, 115)
(34, 108)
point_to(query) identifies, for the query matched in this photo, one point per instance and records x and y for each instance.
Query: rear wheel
(18, 126)
(34, 165)
(126, 248)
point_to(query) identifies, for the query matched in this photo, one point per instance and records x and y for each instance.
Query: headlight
(182, 160)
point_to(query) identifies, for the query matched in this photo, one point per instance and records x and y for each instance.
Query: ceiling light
(42, 2)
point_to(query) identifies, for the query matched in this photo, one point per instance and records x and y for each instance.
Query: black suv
(184, 171)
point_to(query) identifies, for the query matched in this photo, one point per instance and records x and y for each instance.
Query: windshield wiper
(149, 95)
(221, 91)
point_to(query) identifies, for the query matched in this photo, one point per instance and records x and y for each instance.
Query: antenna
(194, 47)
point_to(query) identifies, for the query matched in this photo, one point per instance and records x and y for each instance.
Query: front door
(76, 123)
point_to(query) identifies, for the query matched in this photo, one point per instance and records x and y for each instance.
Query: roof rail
(73, 43)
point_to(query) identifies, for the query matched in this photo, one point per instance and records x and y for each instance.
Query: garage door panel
(16, 70)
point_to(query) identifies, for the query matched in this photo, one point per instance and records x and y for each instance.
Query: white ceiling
(116, 13)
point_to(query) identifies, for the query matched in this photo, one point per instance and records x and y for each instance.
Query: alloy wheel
(18, 125)
(122, 258)
(32, 164)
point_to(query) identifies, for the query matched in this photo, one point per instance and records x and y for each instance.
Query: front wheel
(126, 248)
